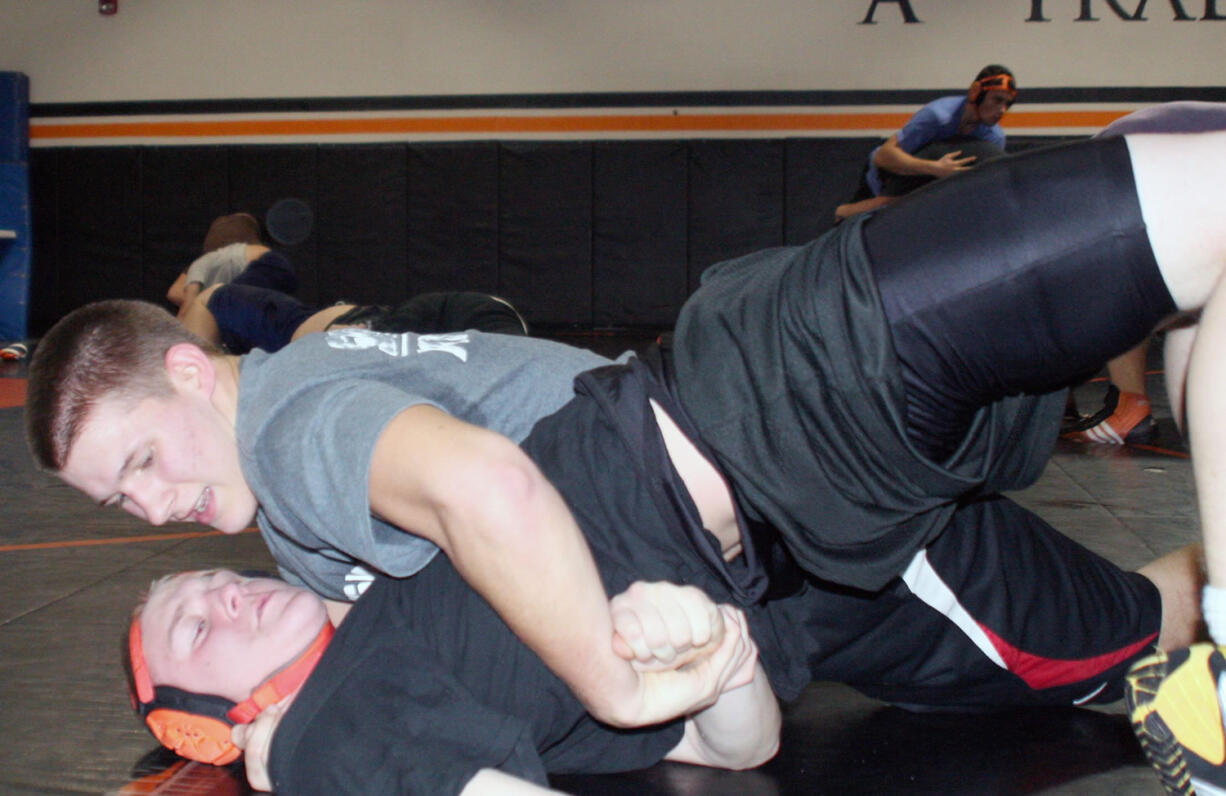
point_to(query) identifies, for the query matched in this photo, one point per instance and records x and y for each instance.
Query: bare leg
(1127, 371)
(199, 320)
(1177, 178)
(1179, 577)
(850, 209)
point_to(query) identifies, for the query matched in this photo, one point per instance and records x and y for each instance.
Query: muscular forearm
(511, 536)
(892, 157)
(529, 559)
(190, 292)
(739, 731)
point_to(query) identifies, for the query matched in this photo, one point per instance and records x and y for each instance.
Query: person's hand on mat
(664, 626)
(255, 739)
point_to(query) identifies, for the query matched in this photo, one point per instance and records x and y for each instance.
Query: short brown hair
(234, 228)
(108, 348)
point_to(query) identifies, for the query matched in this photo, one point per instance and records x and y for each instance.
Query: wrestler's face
(164, 459)
(992, 107)
(219, 633)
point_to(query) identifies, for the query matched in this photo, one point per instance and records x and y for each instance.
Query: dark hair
(113, 348)
(992, 70)
(234, 228)
(993, 77)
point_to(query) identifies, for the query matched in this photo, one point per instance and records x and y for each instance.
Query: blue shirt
(936, 121)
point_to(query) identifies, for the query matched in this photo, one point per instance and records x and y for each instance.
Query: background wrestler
(232, 252)
(947, 136)
(240, 317)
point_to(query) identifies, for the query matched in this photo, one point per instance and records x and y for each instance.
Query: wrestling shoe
(1124, 417)
(15, 351)
(1175, 704)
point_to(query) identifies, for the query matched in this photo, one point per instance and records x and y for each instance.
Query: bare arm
(175, 293)
(891, 157)
(509, 533)
(187, 298)
(741, 729)
(492, 782)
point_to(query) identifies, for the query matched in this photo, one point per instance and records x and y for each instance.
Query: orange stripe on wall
(471, 124)
(612, 123)
(1062, 118)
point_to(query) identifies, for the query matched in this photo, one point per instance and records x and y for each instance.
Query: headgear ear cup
(193, 736)
(195, 726)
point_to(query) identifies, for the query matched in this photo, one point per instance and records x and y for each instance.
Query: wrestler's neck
(337, 611)
(225, 385)
(706, 486)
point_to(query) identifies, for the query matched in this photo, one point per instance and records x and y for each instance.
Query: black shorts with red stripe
(1000, 609)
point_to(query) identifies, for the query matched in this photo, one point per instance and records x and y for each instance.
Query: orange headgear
(1000, 82)
(197, 726)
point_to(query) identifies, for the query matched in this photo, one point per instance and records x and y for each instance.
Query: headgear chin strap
(197, 726)
(1000, 82)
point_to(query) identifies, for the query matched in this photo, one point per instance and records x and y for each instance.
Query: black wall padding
(99, 226)
(360, 230)
(47, 302)
(453, 217)
(736, 200)
(610, 233)
(821, 175)
(545, 231)
(182, 189)
(639, 235)
(259, 176)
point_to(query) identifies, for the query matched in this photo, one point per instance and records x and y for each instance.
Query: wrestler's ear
(189, 368)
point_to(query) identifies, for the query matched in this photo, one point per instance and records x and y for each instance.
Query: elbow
(612, 711)
(512, 493)
(515, 486)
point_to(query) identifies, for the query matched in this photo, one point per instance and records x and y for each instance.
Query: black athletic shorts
(855, 389)
(438, 313)
(256, 317)
(1023, 276)
(271, 270)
